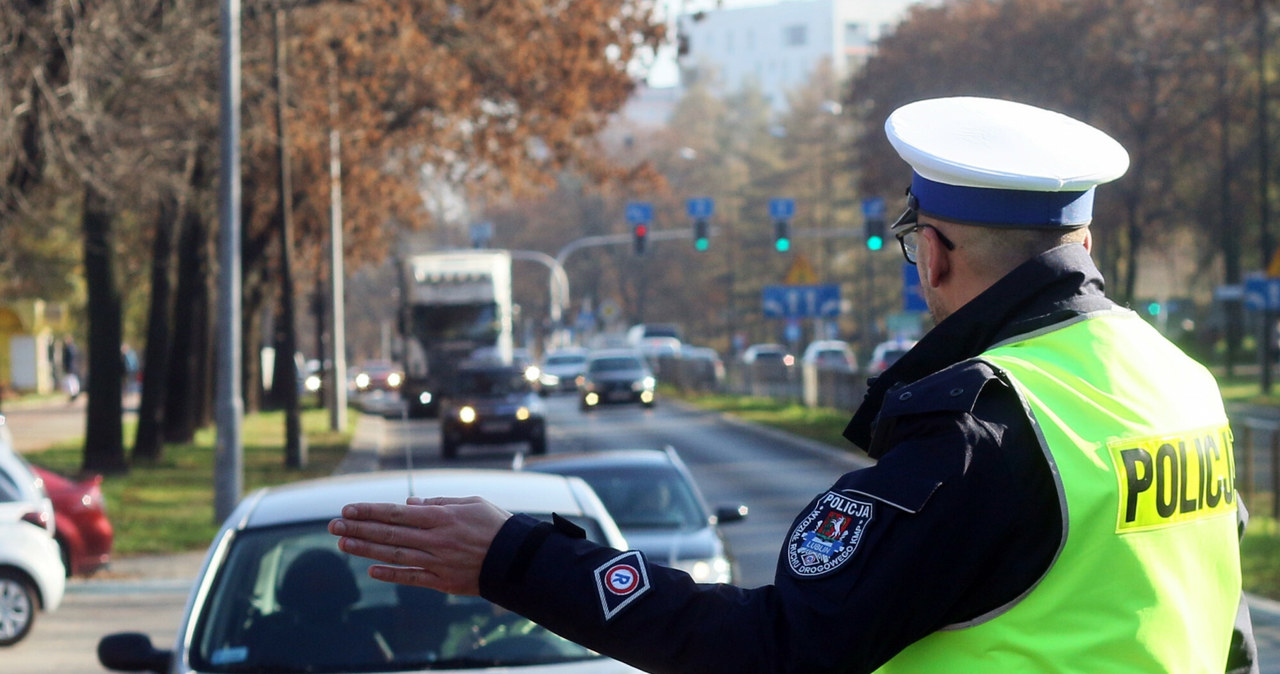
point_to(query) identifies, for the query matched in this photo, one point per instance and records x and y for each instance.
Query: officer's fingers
(443, 500)
(394, 513)
(445, 581)
(400, 555)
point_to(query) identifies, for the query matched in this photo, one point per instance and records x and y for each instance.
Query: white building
(779, 45)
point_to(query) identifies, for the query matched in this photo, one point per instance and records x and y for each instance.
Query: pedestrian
(129, 367)
(70, 368)
(1054, 487)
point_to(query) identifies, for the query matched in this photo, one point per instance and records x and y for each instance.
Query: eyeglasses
(910, 241)
(907, 230)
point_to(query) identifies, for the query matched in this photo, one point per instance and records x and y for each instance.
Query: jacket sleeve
(886, 555)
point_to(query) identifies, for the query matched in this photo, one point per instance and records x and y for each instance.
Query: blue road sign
(912, 295)
(782, 209)
(873, 208)
(1262, 293)
(639, 212)
(811, 301)
(700, 208)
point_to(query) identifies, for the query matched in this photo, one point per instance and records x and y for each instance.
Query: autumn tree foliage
(117, 100)
(1154, 75)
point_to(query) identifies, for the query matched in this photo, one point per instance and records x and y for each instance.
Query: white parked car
(830, 354)
(276, 594)
(32, 577)
(888, 353)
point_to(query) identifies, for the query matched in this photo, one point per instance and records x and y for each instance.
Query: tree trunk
(148, 443)
(104, 432)
(191, 307)
(252, 340)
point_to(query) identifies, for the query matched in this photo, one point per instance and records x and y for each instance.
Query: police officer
(1054, 486)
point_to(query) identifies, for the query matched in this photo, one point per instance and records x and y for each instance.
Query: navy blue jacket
(959, 515)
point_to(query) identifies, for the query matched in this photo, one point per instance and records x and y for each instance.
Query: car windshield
(490, 382)
(285, 600)
(565, 360)
(615, 364)
(646, 498)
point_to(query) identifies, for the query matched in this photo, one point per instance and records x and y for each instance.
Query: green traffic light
(1153, 308)
(875, 243)
(783, 245)
(701, 244)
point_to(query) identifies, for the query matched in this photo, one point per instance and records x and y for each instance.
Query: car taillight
(39, 519)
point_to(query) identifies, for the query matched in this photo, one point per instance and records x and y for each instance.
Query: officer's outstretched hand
(430, 542)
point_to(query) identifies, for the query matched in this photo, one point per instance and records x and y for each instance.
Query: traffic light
(782, 235)
(701, 235)
(874, 231)
(641, 237)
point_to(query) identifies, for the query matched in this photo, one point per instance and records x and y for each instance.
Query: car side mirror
(726, 514)
(132, 652)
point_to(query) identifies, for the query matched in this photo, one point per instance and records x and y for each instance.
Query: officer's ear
(937, 260)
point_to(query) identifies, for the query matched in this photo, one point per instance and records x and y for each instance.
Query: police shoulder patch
(621, 581)
(828, 535)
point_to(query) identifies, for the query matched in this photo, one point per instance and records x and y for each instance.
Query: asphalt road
(732, 462)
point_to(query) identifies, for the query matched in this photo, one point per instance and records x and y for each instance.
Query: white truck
(455, 305)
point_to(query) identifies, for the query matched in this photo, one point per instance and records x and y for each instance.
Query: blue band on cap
(1022, 208)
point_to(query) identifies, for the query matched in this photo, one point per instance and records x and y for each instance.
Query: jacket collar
(1052, 287)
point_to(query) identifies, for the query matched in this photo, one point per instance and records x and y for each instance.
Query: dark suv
(490, 403)
(616, 376)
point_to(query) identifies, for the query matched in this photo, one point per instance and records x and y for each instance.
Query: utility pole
(228, 459)
(338, 412)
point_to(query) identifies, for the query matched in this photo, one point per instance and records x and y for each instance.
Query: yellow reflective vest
(1147, 578)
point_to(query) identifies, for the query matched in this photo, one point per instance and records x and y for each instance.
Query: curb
(854, 458)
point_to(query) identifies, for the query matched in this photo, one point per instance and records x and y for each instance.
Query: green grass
(815, 423)
(169, 506)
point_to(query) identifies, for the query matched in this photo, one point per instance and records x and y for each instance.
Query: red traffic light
(642, 230)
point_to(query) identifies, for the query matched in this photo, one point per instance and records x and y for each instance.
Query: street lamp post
(229, 450)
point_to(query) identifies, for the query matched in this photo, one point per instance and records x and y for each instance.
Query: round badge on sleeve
(828, 535)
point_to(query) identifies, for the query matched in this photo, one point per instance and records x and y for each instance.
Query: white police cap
(993, 162)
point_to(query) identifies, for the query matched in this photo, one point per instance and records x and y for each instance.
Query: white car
(32, 577)
(276, 594)
(830, 354)
(888, 353)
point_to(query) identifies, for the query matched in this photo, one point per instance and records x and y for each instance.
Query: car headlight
(424, 398)
(532, 373)
(362, 380)
(707, 570)
(522, 413)
(394, 379)
(313, 383)
(645, 384)
(467, 414)
(549, 379)
(591, 399)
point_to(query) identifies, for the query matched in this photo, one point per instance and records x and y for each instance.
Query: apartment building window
(795, 35)
(854, 34)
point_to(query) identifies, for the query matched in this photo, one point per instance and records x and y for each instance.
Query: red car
(83, 531)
